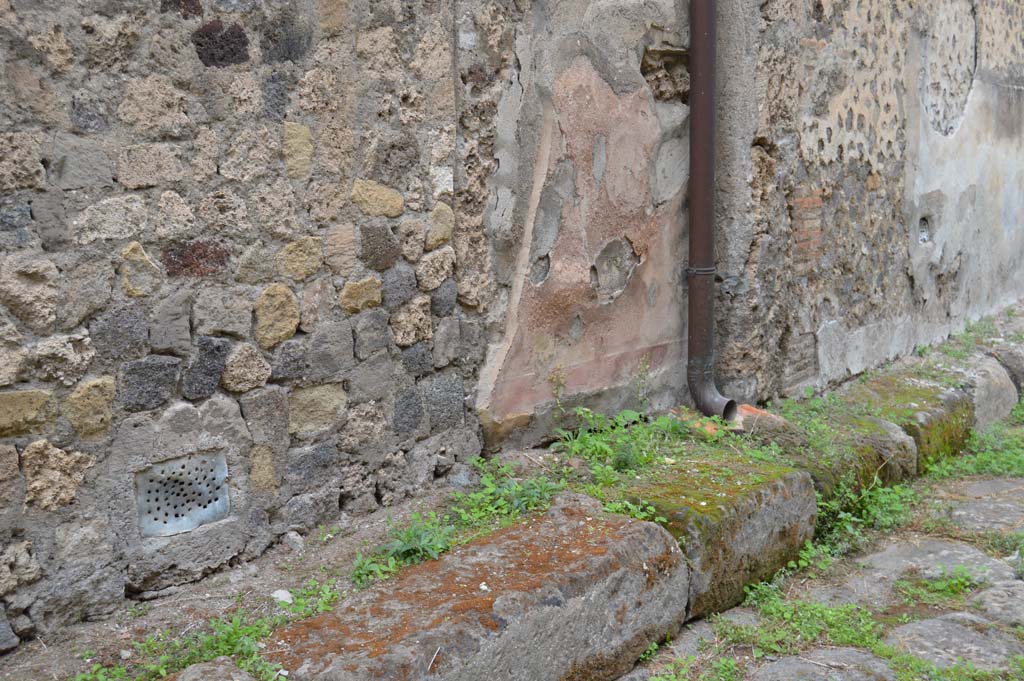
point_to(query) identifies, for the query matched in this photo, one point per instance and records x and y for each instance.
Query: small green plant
(1017, 415)
(325, 534)
(639, 511)
(502, 496)
(843, 516)
(423, 538)
(813, 558)
(375, 568)
(100, 673)
(679, 670)
(940, 591)
(997, 450)
(650, 653)
(312, 599)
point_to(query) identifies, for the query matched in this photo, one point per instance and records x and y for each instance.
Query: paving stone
(826, 664)
(1003, 602)
(203, 375)
(935, 558)
(148, 383)
(546, 586)
(984, 515)
(872, 584)
(959, 637)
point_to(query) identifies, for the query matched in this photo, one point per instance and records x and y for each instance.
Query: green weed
(502, 498)
(942, 591)
(638, 511)
(312, 599)
(997, 450)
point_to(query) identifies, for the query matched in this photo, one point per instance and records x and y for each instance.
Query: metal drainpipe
(701, 270)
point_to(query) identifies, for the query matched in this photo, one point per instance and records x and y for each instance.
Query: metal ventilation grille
(181, 494)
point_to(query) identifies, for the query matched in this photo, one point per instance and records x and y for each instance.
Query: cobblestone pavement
(942, 599)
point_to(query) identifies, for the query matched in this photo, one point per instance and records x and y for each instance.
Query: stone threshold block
(738, 520)
(574, 594)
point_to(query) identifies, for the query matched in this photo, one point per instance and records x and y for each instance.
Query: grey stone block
(120, 334)
(289, 361)
(331, 350)
(444, 396)
(447, 342)
(266, 414)
(418, 359)
(8, 640)
(408, 412)
(399, 286)
(444, 298)
(170, 330)
(992, 391)
(203, 376)
(220, 311)
(372, 333)
(574, 566)
(148, 383)
(374, 379)
(379, 246)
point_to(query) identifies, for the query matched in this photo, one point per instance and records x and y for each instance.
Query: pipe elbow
(708, 399)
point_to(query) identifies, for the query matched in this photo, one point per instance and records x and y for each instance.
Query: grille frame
(179, 495)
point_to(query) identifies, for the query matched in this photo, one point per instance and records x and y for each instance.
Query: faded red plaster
(645, 322)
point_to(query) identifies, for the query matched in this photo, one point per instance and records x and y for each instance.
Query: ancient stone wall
(230, 302)
(265, 262)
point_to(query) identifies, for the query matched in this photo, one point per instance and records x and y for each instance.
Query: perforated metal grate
(181, 494)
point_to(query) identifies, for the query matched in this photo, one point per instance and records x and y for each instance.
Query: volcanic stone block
(583, 592)
(148, 383)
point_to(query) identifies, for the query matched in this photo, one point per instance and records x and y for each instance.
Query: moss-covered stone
(737, 519)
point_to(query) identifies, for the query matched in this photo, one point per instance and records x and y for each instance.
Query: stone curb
(579, 594)
(575, 594)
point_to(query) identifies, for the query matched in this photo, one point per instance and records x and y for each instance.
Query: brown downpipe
(701, 270)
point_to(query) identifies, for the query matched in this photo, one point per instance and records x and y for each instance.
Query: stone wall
(230, 302)
(265, 262)
(869, 159)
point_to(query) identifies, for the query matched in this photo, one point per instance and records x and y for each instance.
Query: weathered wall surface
(228, 298)
(869, 172)
(266, 262)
